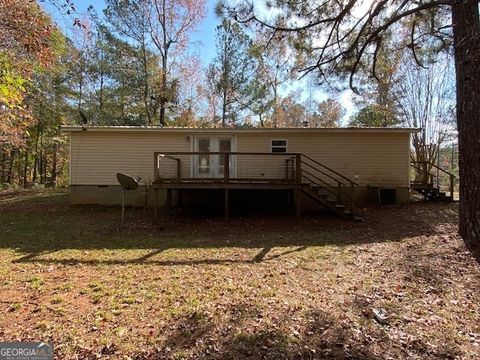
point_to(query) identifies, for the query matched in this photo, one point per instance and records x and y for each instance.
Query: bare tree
(164, 25)
(274, 68)
(425, 99)
(170, 23)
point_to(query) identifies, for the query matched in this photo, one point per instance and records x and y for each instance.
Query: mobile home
(334, 167)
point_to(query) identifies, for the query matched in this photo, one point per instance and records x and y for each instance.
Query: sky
(204, 38)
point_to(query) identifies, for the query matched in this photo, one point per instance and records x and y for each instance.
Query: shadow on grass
(42, 224)
(198, 336)
(325, 336)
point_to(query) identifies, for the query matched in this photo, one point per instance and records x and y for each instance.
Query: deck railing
(223, 166)
(234, 167)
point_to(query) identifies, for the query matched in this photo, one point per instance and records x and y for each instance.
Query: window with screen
(279, 146)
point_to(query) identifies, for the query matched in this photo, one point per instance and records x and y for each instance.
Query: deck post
(179, 198)
(169, 199)
(227, 204)
(298, 168)
(226, 168)
(352, 196)
(298, 203)
(155, 201)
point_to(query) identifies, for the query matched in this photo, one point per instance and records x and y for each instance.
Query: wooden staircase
(425, 182)
(328, 188)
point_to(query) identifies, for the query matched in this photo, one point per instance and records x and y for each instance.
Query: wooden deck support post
(227, 205)
(352, 197)
(179, 198)
(298, 203)
(155, 202)
(169, 199)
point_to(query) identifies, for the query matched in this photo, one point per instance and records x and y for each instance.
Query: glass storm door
(211, 166)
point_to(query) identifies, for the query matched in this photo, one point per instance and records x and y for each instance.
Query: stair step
(340, 206)
(352, 216)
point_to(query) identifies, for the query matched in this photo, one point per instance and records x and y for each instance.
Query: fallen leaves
(272, 288)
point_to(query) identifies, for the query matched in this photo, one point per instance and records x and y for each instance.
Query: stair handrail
(352, 183)
(329, 169)
(433, 165)
(309, 177)
(426, 162)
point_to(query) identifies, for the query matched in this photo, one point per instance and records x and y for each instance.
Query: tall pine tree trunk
(466, 28)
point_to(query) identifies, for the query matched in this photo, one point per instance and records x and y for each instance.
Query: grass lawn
(261, 288)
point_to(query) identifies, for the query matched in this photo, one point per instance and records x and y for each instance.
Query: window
(279, 146)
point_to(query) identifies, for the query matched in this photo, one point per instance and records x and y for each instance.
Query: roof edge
(77, 128)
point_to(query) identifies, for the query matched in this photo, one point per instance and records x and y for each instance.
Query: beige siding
(96, 157)
(376, 158)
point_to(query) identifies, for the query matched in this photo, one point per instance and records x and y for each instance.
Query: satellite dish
(128, 182)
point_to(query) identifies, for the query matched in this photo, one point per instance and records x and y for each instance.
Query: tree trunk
(3, 164)
(166, 45)
(25, 168)
(54, 165)
(146, 86)
(224, 109)
(40, 160)
(35, 157)
(163, 97)
(10, 173)
(466, 28)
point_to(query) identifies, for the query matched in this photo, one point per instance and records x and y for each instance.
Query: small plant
(57, 300)
(14, 307)
(95, 286)
(35, 282)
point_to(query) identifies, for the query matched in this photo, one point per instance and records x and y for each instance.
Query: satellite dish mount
(128, 183)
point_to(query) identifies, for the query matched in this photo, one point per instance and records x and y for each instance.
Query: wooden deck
(296, 172)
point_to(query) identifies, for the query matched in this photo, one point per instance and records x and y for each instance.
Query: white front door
(211, 166)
